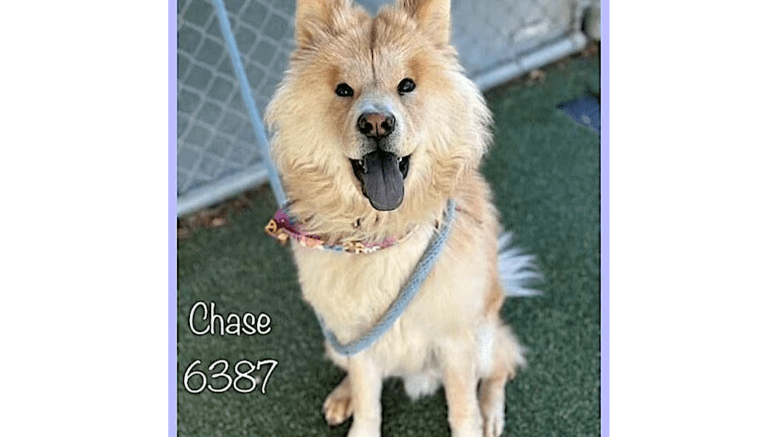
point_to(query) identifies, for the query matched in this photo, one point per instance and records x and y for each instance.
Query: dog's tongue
(382, 180)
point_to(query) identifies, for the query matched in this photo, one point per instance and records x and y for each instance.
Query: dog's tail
(517, 270)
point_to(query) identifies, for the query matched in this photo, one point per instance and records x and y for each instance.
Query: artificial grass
(545, 173)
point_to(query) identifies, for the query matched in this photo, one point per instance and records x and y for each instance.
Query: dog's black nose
(376, 125)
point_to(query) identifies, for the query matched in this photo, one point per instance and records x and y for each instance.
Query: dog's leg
(506, 356)
(457, 360)
(365, 381)
(338, 406)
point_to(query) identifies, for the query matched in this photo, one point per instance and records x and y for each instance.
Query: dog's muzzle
(381, 172)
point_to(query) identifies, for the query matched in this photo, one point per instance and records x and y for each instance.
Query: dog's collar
(283, 227)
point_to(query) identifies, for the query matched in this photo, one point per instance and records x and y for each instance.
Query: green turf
(545, 173)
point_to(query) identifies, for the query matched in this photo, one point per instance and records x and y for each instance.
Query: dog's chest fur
(351, 291)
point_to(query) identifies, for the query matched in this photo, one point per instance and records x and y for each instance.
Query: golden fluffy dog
(374, 129)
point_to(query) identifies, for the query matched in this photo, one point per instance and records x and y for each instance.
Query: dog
(378, 136)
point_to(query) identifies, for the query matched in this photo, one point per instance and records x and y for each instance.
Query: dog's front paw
(338, 406)
(492, 407)
(493, 422)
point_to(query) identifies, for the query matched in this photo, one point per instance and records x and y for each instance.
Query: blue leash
(245, 91)
(405, 296)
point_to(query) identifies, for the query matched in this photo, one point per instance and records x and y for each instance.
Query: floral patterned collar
(282, 227)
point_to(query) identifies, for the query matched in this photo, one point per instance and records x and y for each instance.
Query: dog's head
(374, 114)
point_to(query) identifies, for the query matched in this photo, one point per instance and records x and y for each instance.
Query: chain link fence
(218, 154)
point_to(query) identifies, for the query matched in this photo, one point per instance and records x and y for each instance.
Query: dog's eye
(343, 90)
(405, 86)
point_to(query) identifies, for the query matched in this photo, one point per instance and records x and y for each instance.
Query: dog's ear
(434, 16)
(316, 18)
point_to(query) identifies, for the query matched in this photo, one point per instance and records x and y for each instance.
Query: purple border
(172, 74)
(605, 215)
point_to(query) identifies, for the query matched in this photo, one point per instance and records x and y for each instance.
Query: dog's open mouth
(382, 177)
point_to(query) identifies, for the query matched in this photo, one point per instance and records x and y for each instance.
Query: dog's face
(375, 112)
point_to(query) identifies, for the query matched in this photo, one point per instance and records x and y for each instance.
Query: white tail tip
(516, 269)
